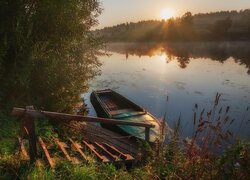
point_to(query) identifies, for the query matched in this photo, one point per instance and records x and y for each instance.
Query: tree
(187, 26)
(171, 31)
(53, 34)
(221, 27)
(44, 26)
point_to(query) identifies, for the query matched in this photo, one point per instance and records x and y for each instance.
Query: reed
(212, 152)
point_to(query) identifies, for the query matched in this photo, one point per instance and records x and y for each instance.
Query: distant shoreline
(217, 26)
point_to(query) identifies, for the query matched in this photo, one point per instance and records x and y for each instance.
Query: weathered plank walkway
(89, 142)
(77, 152)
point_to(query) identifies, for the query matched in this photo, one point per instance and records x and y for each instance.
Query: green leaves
(47, 52)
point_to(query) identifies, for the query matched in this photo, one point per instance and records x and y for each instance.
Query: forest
(215, 26)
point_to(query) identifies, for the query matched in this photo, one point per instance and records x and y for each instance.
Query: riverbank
(176, 159)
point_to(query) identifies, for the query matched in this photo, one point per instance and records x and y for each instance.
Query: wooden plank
(78, 148)
(28, 128)
(124, 147)
(92, 148)
(119, 153)
(97, 133)
(22, 149)
(64, 116)
(62, 147)
(147, 135)
(46, 152)
(114, 157)
(64, 144)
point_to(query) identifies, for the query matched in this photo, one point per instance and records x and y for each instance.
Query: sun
(167, 13)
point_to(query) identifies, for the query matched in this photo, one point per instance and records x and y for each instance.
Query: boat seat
(121, 111)
(111, 105)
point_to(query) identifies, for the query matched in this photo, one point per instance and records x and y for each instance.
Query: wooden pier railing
(28, 115)
(68, 117)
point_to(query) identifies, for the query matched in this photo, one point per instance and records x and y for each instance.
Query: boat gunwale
(126, 100)
(97, 102)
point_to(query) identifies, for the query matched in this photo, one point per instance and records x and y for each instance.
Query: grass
(208, 154)
(45, 129)
(9, 128)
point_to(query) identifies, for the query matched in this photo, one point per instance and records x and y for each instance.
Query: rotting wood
(78, 148)
(69, 117)
(104, 150)
(62, 147)
(147, 136)
(28, 128)
(119, 153)
(22, 150)
(64, 116)
(123, 147)
(129, 148)
(100, 134)
(46, 152)
(92, 149)
(106, 145)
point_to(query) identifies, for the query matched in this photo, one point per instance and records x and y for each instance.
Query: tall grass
(211, 152)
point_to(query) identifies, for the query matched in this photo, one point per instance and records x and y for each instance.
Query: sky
(121, 11)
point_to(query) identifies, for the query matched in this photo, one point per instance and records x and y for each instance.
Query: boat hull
(135, 113)
(101, 113)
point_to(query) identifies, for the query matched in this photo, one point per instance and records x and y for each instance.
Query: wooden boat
(110, 104)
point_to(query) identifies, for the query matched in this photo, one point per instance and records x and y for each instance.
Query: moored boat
(110, 104)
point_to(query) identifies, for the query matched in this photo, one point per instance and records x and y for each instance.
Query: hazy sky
(120, 11)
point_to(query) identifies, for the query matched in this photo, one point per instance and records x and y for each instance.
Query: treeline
(224, 25)
(183, 52)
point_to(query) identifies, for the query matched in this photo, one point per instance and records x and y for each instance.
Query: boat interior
(115, 104)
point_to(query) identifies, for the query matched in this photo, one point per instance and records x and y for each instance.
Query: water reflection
(218, 51)
(187, 73)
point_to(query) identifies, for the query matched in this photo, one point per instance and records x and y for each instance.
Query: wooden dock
(90, 142)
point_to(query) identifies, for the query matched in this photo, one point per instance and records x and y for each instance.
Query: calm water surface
(172, 78)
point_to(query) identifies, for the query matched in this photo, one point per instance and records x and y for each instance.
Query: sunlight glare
(167, 13)
(162, 57)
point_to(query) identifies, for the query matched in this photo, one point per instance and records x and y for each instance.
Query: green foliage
(9, 127)
(235, 162)
(47, 52)
(40, 173)
(9, 166)
(66, 170)
(47, 56)
(45, 129)
(7, 146)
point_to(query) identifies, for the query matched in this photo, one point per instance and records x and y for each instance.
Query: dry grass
(211, 153)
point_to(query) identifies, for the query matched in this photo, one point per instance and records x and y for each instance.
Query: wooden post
(28, 127)
(147, 136)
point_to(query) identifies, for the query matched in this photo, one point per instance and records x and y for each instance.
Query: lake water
(172, 78)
